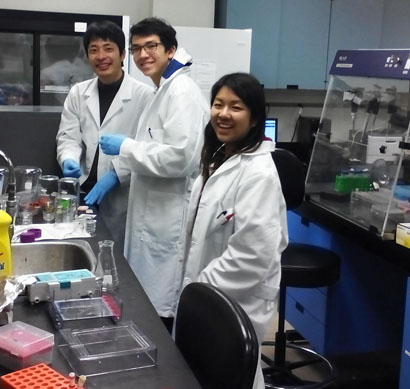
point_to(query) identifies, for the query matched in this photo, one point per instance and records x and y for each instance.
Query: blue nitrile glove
(101, 188)
(111, 143)
(71, 168)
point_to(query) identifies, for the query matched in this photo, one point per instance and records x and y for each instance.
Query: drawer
(308, 234)
(312, 300)
(306, 324)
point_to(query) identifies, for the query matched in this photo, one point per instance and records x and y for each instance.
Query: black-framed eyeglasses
(149, 48)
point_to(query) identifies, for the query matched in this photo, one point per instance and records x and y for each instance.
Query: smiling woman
(236, 228)
(230, 118)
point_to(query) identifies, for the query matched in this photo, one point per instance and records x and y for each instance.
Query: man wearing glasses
(163, 160)
(111, 102)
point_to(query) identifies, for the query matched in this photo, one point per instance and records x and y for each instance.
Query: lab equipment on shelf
(360, 155)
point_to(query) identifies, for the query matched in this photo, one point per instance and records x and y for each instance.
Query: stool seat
(307, 266)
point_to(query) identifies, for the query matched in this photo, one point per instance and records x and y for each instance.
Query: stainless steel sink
(52, 256)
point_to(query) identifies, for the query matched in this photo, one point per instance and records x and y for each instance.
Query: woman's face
(230, 117)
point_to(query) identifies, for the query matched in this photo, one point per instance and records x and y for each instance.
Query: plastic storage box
(107, 305)
(22, 345)
(107, 349)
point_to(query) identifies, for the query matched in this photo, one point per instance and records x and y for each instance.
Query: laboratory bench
(367, 312)
(171, 371)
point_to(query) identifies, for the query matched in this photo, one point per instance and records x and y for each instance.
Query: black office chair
(216, 338)
(303, 266)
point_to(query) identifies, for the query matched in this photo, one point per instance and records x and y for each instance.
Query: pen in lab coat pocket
(149, 132)
(226, 216)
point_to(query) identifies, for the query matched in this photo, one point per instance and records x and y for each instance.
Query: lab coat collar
(93, 103)
(264, 148)
(180, 60)
(123, 94)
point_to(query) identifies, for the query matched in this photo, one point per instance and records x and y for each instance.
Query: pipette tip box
(23, 345)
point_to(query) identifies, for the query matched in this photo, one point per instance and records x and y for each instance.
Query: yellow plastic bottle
(6, 264)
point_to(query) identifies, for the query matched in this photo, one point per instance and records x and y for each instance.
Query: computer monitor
(271, 128)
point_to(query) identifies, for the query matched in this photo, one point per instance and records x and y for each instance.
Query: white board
(215, 52)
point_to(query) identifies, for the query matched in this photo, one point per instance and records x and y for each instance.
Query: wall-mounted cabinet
(294, 41)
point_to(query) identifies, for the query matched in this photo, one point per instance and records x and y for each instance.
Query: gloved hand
(71, 168)
(101, 188)
(111, 143)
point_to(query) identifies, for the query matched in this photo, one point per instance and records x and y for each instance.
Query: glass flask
(106, 261)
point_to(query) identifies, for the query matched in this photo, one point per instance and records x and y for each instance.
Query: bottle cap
(36, 231)
(27, 237)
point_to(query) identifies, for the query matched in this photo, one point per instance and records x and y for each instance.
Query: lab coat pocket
(221, 226)
(157, 135)
(214, 224)
(163, 217)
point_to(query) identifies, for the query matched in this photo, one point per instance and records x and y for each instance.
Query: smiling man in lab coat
(110, 103)
(164, 160)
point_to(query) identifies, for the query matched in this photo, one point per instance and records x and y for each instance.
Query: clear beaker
(70, 186)
(65, 208)
(48, 184)
(25, 207)
(107, 262)
(47, 192)
(27, 178)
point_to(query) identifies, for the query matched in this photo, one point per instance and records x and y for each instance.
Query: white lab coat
(241, 256)
(80, 130)
(164, 160)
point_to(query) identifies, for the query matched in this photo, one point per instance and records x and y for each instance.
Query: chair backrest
(291, 175)
(216, 338)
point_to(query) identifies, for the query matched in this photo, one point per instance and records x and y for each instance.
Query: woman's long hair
(250, 91)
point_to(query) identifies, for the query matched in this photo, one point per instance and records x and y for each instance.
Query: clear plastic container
(107, 305)
(23, 345)
(109, 349)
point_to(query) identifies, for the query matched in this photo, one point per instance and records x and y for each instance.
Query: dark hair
(250, 91)
(107, 31)
(156, 26)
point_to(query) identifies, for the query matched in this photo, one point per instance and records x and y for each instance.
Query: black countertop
(386, 249)
(171, 371)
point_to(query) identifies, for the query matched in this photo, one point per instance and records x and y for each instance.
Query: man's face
(151, 58)
(105, 59)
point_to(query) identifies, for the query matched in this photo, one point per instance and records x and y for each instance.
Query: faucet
(11, 203)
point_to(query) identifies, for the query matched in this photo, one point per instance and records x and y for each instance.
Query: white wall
(198, 13)
(190, 13)
(136, 9)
